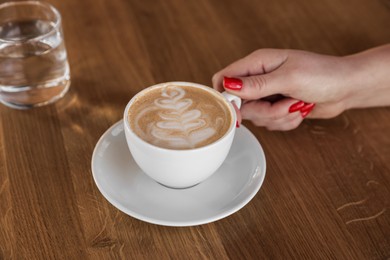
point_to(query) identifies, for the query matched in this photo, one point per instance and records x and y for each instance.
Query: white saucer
(126, 187)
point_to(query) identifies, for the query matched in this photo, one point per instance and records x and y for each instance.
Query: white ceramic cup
(181, 168)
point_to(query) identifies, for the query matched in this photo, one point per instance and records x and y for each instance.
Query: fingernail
(307, 107)
(232, 83)
(237, 124)
(305, 113)
(296, 106)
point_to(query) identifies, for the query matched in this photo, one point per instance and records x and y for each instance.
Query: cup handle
(232, 98)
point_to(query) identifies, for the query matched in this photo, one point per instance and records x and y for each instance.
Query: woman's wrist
(369, 80)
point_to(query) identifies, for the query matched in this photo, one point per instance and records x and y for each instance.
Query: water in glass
(33, 64)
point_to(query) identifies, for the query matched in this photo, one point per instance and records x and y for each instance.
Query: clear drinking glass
(34, 69)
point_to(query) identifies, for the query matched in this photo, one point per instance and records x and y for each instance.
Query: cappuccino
(180, 117)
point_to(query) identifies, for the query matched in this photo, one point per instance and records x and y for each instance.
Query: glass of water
(34, 70)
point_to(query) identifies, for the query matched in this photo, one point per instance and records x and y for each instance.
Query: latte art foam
(179, 117)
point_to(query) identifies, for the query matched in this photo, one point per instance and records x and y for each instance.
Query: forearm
(371, 76)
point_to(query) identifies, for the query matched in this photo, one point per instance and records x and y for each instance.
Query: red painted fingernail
(307, 107)
(237, 124)
(296, 106)
(305, 113)
(232, 83)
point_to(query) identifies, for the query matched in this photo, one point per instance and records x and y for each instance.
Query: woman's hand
(311, 85)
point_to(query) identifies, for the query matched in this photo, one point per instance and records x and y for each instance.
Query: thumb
(255, 87)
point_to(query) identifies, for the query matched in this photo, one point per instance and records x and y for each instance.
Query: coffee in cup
(179, 117)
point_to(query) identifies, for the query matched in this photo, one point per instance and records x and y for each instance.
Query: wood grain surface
(327, 190)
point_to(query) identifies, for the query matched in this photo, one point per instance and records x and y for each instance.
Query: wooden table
(327, 190)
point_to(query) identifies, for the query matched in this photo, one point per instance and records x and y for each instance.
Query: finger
(262, 112)
(290, 122)
(272, 116)
(287, 122)
(259, 62)
(255, 111)
(256, 87)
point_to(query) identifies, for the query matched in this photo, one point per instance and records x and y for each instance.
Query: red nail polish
(232, 83)
(296, 106)
(307, 107)
(237, 124)
(305, 113)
